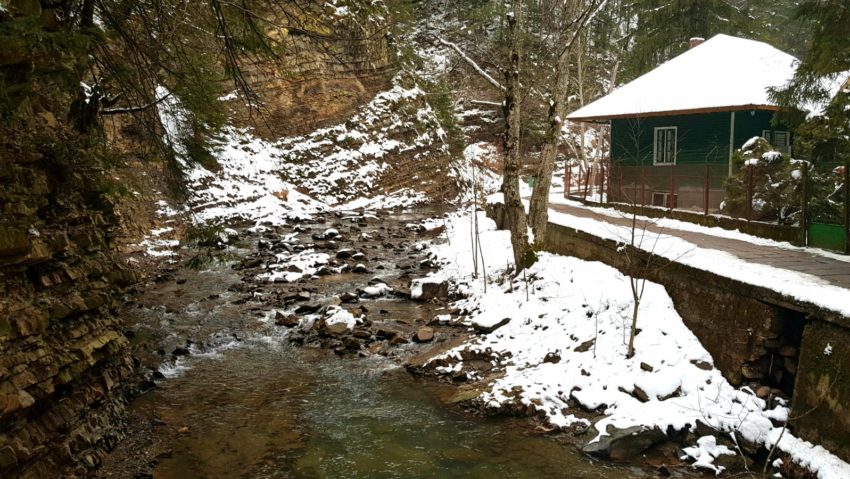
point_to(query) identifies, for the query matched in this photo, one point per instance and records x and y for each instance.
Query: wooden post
(749, 192)
(672, 187)
(620, 192)
(602, 186)
(705, 199)
(568, 179)
(847, 206)
(610, 172)
(804, 205)
(642, 185)
(587, 182)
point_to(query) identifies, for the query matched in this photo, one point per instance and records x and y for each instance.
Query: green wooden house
(674, 129)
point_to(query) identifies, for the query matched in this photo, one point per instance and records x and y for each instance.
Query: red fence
(809, 195)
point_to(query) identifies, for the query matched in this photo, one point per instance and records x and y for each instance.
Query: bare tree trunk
(539, 209)
(515, 217)
(575, 15)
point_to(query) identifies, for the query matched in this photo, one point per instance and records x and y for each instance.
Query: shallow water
(266, 409)
(251, 405)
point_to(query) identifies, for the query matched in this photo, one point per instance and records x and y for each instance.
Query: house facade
(675, 129)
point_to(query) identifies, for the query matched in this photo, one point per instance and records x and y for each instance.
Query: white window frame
(655, 152)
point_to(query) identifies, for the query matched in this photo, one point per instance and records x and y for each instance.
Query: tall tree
(515, 216)
(573, 17)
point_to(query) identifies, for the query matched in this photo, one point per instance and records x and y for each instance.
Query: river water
(246, 403)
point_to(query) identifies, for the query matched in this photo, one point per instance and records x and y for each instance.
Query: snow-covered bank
(340, 167)
(563, 347)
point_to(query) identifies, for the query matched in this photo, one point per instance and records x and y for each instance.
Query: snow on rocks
(339, 320)
(705, 452)
(564, 348)
(432, 287)
(291, 268)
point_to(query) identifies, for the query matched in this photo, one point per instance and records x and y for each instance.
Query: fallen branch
(472, 63)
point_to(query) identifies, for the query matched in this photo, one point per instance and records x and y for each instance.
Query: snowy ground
(565, 343)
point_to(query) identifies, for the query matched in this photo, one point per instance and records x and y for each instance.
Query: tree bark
(574, 17)
(539, 208)
(515, 217)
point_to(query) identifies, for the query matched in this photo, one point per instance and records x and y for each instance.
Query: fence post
(602, 186)
(568, 177)
(620, 193)
(847, 206)
(586, 182)
(705, 198)
(804, 204)
(673, 201)
(642, 185)
(610, 172)
(749, 192)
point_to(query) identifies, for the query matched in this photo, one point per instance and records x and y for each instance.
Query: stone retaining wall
(754, 334)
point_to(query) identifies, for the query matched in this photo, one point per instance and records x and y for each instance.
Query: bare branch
(134, 109)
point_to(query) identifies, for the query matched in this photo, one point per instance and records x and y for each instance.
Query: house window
(664, 152)
(781, 140)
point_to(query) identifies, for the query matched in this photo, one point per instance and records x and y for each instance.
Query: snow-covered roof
(724, 73)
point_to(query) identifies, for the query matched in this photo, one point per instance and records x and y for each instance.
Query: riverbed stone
(424, 334)
(624, 444)
(425, 289)
(287, 320)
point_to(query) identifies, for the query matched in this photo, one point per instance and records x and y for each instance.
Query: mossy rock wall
(821, 407)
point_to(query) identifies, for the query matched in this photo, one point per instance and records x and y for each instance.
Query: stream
(236, 399)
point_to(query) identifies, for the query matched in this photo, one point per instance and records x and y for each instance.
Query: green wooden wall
(702, 139)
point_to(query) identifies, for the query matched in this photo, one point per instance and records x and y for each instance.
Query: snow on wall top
(724, 72)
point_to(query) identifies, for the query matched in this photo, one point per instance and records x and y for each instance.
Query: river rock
(763, 392)
(288, 320)
(351, 343)
(625, 444)
(348, 297)
(425, 289)
(487, 328)
(344, 253)
(424, 335)
(307, 308)
(360, 268)
(335, 329)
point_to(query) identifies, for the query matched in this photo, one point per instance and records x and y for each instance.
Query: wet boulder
(288, 320)
(425, 289)
(424, 335)
(624, 444)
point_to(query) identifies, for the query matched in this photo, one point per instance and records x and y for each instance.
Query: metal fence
(810, 196)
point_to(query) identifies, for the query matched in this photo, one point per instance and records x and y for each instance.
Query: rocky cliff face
(61, 348)
(64, 360)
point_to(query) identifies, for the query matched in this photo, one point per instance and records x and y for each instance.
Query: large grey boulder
(625, 444)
